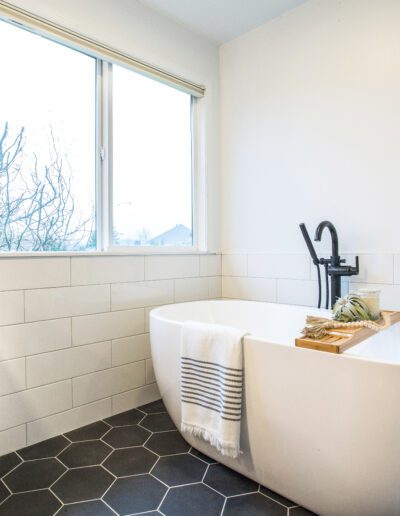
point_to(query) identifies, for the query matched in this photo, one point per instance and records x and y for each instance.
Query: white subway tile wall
(74, 341)
(292, 278)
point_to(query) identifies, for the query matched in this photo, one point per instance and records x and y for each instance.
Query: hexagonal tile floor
(129, 464)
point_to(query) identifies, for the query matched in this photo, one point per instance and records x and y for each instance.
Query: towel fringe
(224, 448)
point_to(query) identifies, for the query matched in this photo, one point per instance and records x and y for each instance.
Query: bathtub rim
(157, 313)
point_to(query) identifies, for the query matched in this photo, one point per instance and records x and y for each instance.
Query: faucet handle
(356, 269)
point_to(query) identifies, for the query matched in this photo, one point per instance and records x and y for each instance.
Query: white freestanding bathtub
(318, 428)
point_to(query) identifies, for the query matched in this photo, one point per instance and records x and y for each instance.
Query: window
(47, 145)
(92, 155)
(152, 186)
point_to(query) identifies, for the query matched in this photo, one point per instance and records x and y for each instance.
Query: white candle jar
(371, 299)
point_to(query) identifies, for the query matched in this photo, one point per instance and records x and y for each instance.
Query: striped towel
(211, 384)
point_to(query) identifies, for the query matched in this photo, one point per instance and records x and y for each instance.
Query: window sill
(124, 252)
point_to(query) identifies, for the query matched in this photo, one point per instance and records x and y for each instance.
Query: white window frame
(105, 58)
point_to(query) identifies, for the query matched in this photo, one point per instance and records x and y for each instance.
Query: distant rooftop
(176, 236)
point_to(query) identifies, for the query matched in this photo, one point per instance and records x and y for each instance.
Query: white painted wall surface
(310, 129)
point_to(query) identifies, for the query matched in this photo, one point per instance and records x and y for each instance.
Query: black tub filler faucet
(333, 265)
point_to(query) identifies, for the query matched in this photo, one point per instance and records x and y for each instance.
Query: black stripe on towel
(207, 390)
(211, 363)
(217, 368)
(213, 385)
(203, 384)
(211, 397)
(220, 376)
(211, 376)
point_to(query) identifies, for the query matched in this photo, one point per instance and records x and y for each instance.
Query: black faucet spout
(335, 241)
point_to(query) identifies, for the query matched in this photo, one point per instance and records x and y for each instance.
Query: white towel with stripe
(212, 384)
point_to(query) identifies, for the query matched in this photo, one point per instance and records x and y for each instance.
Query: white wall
(310, 131)
(74, 342)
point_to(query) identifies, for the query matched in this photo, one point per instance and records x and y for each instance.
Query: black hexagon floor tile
(193, 500)
(45, 449)
(228, 482)
(167, 443)
(82, 474)
(176, 470)
(8, 462)
(255, 504)
(125, 436)
(88, 432)
(131, 495)
(277, 497)
(35, 503)
(130, 461)
(4, 492)
(82, 484)
(201, 456)
(35, 474)
(94, 508)
(86, 453)
(152, 513)
(158, 422)
(131, 417)
(153, 407)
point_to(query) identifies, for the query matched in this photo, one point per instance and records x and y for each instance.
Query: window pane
(47, 145)
(152, 179)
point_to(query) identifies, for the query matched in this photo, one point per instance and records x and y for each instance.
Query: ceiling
(222, 20)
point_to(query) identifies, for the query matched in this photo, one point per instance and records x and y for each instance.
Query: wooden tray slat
(338, 340)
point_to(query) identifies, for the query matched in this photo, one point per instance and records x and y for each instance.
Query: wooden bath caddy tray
(338, 340)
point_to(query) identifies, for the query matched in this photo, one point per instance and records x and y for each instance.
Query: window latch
(102, 153)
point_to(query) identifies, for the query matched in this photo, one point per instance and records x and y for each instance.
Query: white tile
(67, 363)
(293, 266)
(396, 260)
(150, 376)
(53, 303)
(389, 294)
(374, 268)
(103, 384)
(23, 273)
(147, 311)
(12, 439)
(191, 289)
(234, 265)
(87, 270)
(298, 292)
(12, 376)
(135, 398)
(11, 307)
(168, 267)
(254, 289)
(130, 349)
(214, 287)
(31, 404)
(108, 326)
(20, 340)
(57, 424)
(210, 265)
(140, 294)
